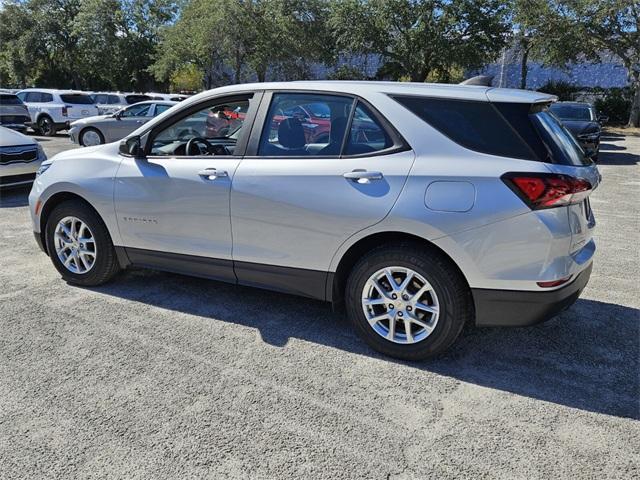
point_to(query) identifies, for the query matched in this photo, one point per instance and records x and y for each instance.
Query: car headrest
(291, 133)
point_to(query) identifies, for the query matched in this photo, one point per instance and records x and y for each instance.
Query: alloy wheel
(91, 138)
(75, 245)
(400, 305)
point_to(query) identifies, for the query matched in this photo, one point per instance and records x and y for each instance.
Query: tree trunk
(524, 68)
(634, 116)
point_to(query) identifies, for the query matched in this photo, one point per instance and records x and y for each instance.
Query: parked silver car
(111, 127)
(417, 207)
(20, 158)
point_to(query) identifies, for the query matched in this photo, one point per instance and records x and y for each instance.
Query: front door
(173, 206)
(308, 184)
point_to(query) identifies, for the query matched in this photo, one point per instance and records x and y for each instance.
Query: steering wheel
(193, 142)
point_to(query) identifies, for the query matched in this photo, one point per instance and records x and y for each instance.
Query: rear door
(294, 201)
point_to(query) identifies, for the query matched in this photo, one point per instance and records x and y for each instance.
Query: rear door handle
(212, 173)
(363, 176)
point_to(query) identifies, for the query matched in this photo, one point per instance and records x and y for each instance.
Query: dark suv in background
(582, 120)
(13, 113)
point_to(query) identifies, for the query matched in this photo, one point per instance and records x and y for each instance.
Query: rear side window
(113, 100)
(6, 99)
(76, 99)
(366, 134)
(100, 98)
(475, 125)
(34, 97)
(162, 108)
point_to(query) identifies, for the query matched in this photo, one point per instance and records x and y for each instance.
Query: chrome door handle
(212, 173)
(363, 176)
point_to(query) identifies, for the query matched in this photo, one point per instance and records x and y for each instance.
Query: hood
(10, 138)
(94, 119)
(578, 127)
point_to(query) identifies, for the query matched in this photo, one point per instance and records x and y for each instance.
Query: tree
(421, 38)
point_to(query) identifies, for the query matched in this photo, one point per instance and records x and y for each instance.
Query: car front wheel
(79, 244)
(407, 302)
(90, 137)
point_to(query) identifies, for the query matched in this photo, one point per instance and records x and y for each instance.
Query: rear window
(131, 99)
(76, 99)
(9, 99)
(572, 112)
(560, 141)
(475, 125)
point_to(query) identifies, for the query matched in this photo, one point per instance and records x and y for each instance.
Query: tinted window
(33, 97)
(162, 108)
(366, 134)
(8, 99)
(46, 97)
(474, 125)
(113, 100)
(566, 111)
(305, 124)
(76, 99)
(564, 146)
(140, 110)
(100, 98)
(131, 99)
(217, 128)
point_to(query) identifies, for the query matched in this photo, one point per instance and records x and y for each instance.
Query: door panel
(296, 212)
(165, 204)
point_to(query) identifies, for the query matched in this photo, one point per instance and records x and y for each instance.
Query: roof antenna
(484, 80)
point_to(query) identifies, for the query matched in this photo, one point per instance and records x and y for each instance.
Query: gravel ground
(164, 376)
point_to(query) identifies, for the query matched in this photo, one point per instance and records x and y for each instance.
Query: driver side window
(213, 130)
(140, 110)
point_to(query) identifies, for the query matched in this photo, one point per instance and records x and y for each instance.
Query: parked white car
(53, 110)
(111, 102)
(20, 158)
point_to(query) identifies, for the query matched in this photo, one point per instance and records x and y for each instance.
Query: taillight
(65, 111)
(547, 190)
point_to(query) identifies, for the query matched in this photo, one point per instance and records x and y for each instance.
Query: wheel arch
(336, 281)
(51, 203)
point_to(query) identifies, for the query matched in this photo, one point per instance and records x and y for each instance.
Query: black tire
(454, 296)
(90, 129)
(106, 263)
(46, 126)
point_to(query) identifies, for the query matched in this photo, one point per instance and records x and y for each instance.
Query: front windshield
(563, 144)
(572, 112)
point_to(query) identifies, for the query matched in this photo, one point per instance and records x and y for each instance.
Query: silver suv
(415, 207)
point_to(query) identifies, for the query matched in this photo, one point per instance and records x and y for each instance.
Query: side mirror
(131, 147)
(118, 115)
(602, 119)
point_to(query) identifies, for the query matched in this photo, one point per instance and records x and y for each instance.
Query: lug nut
(391, 306)
(409, 309)
(394, 296)
(399, 314)
(405, 297)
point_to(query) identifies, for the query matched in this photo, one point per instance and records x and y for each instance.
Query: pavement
(162, 376)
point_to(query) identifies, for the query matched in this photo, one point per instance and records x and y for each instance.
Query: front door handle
(363, 176)
(212, 173)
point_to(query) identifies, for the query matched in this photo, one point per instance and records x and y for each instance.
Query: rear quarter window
(76, 99)
(474, 125)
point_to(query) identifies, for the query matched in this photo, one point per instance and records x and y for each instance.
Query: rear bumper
(512, 308)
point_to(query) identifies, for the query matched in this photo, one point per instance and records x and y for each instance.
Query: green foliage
(347, 72)
(90, 44)
(563, 90)
(418, 38)
(616, 104)
(186, 79)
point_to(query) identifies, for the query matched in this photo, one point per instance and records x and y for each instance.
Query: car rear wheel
(46, 126)
(407, 302)
(90, 137)
(79, 245)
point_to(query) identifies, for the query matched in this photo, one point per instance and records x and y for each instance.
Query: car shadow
(587, 358)
(613, 155)
(12, 197)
